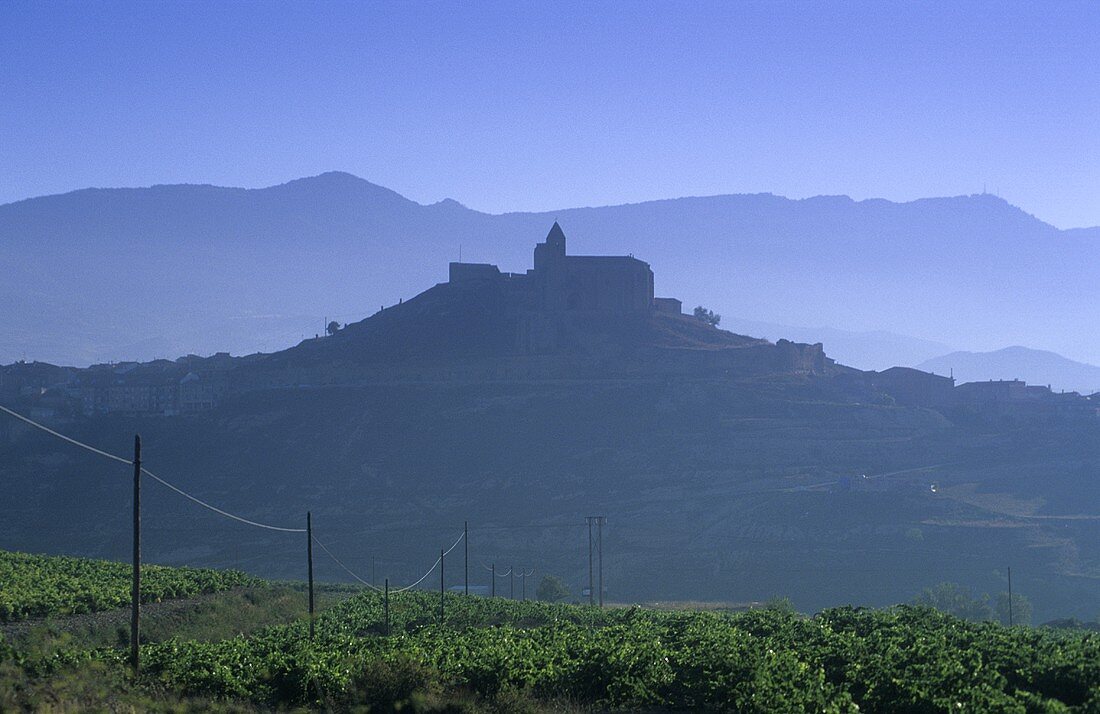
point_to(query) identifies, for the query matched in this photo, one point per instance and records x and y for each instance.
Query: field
(40, 586)
(502, 655)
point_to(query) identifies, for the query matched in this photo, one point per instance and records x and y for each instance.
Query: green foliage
(903, 659)
(41, 586)
(708, 316)
(551, 589)
(954, 599)
(780, 604)
(1021, 609)
(502, 655)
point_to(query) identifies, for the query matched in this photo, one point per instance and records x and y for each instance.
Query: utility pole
(599, 531)
(386, 607)
(309, 557)
(512, 583)
(591, 582)
(466, 547)
(523, 586)
(1010, 597)
(493, 584)
(440, 586)
(135, 591)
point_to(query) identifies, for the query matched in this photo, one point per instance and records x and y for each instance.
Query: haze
(770, 306)
(542, 106)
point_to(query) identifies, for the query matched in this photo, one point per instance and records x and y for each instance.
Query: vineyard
(503, 655)
(33, 586)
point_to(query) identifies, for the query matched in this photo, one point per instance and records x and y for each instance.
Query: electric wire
(220, 511)
(499, 575)
(150, 474)
(346, 568)
(217, 510)
(431, 569)
(61, 436)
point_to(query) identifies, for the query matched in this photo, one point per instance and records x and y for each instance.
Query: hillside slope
(714, 489)
(104, 274)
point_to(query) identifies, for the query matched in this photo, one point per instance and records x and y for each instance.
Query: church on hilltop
(562, 283)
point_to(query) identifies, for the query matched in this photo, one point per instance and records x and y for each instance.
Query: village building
(913, 387)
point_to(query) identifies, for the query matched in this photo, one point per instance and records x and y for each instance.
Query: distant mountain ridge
(867, 350)
(112, 274)
(1032, 366)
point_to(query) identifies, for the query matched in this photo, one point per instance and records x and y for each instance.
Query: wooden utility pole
(441, 586)
(386, 606)
(523, 586)
(466, 546)
(512, 583)
(591, 582)
(309, 557)
(599, 531)
(135, 590)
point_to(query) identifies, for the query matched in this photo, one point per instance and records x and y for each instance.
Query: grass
(206, 618)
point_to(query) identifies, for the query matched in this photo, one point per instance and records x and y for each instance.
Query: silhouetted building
(560, 282)
(992, 392)
(200, 393)
(913, 387)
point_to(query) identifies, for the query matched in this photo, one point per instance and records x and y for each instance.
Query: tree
(708, 316)
(333, 328)
(1021, 609)
(551, 589)
(954, 599)
(780, 604)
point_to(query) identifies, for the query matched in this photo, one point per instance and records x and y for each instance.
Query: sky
(537, 106)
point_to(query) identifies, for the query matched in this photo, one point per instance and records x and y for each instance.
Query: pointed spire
(556, 234)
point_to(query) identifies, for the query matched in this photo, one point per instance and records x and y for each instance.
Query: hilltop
(522, 402)
(131, 274)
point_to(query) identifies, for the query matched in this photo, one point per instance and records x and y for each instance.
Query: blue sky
(532, 106)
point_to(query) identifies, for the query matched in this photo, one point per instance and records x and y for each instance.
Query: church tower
(552, 249)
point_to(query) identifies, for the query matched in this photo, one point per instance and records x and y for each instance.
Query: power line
(350, 572)
(346, 568)
(434, 566)
(150, 474)
(217, 510)
(61, 436)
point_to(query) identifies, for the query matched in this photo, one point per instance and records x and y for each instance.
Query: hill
(1032, 366)
(709, 484)
(503, 401)
(869, 350)
(114, 274)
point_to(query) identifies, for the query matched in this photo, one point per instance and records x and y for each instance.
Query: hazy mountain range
(112, 274)
(1032, 366)
(880, 349)
(708, 482)
(872, 349)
